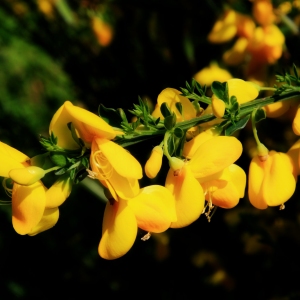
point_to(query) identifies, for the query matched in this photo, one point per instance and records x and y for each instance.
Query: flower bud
(154, 162)
(27, 176)
(218, 106)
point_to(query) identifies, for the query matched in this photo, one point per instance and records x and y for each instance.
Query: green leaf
(170, 121)
(179, 107)
(165, 110)
(237, 126)
(109, 115)
(58, 159)
(259, 115)
(220, 90)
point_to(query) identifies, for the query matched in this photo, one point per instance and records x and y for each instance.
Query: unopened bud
(27, 176)
(218, 106)
(154, 162)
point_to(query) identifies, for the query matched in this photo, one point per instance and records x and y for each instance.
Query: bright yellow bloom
(271, 182)
(154, 162)
(226, 190)
(212, 73)
(212, 156)
(103, 31)
(30, 214)
(152, 210)
(87, 124)
(171, 97)
(188, 193)
(244, 91)
(115, 167)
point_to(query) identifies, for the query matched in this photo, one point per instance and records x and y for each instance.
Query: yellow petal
(154, 208)
(237, 53)
(255, 179)
(119, 230)
(58, 126)
(10, 158)
(191, 146)
(215, 155)
(222, 193)
(189, 196)
(88, 124)
(58, 192)
(49, 219)
(238, 178)
(171, 97)
(120, 159)
(279, 183)
(277, 109)
(243, 90)
(208, 75)
(28, 205)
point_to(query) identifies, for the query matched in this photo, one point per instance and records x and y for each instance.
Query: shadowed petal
(189, 196)
(28, 205)
(48, 220)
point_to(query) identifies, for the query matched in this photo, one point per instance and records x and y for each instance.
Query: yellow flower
(271, 182)
(296, 122)
(171, 97)
(212, 73)
(226, 190)
(207, 163)
(103, 31)
(87, 124)
(244, 91)
(236, 55)
(154, 162)
(152, 210)
(115, 167)
(30, 213)
(28, 202)
(188, 193)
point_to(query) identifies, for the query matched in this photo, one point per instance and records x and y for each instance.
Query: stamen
(104, 167)
(282, 207)
(211, 208)
(146, 237)
(92, 174)
(5, 183)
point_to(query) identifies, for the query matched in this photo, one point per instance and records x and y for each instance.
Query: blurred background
(111, 52)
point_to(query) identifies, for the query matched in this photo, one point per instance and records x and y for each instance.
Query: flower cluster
(197, 141)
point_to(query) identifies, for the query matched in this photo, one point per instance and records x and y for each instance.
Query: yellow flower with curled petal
(271, 182)
(115, 167)
(171, 97)
(152, 210)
